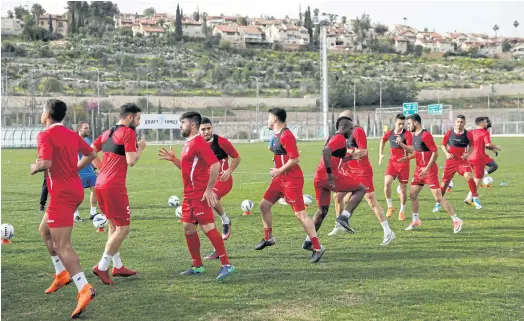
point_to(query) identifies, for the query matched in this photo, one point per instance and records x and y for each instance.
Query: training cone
(246, 213)
(100, 230)
(6, 241)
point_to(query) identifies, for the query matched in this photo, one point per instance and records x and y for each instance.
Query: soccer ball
(282, 201)
(247, 206)
(173, 201)
(398, 189)
(488, 180)
(100, 221)
(307, 200)
(309, 196)
(7, 231)
(179, 211)
(450, 186)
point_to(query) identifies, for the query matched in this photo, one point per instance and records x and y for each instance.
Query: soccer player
(398, 164)
(120, 150)
(426, 172)
(490, 163)
(455, 146)
(57, 156)
(200, 169)
(87, 174)
(362, 171)
(43, 194)
(329, 178)
(223, 149)
(481, 139)
(287, 180)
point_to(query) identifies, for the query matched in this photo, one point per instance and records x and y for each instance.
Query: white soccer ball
(308, 200)
(7, 231)
(450, 185)
(488, 180)
(282, 201)
(173, 201)
(100, 221)
(247, 205)
(398, 189)
(309, 196)
(179, 212)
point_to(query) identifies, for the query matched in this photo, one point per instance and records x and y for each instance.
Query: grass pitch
(426, 274)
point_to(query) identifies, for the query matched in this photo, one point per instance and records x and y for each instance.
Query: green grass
(427, 274)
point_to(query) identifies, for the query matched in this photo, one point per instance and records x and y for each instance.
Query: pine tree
(50, 24)
(178, 24)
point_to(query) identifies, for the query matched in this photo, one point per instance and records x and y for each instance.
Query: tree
(37, 10)
(343, 20)
(316, 34)
(161, 22)
(506, 46)
(418, 50)
(515, 24)
(495, 29)
(300, 21)
(196, 15)
(50, 24)
(204, 24)
(149, 12)
(178, 24)
(380, 29)
(20, 12)
(242, 20)
(308, 24)
(427, 51)
(10, 14)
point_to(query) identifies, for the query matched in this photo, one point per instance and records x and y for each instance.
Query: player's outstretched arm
(97, 163)
(40, 166)
(209, 196)
(133, 157)
(381, 151)
(169, 155)
(409, 149)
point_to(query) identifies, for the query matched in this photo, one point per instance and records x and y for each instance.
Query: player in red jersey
(223, 149)
(120, 150)
(58, 149)
(287, 180)
(481, 139)
(455, 146)
(329, 178)
(426, 172)
(398, 165)
(362, 171)
(200, 168)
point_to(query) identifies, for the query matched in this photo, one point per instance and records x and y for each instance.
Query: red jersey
(337, 143)
(195, 159)
(397, 152)
(458, 142)
(115, 143)
(424, 145)
(479, 138)
(61, 146)
(284, 147)
(223, 149)
(362, 166)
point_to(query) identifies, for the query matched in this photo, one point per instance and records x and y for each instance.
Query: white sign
(159, 121)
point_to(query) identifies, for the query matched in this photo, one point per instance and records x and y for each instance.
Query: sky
(462, 16)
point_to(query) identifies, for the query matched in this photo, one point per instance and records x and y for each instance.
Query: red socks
(315, 243)
(218, 244)
(473, 187)
(193, 245)
(268, 233)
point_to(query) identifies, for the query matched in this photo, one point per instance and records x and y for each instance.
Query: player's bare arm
(97, 163)
(133, 157)
(227, 173)
(274, 172)
(327, 153)
(86, 160)
(432, 161)
(493, 147)
(409, 149)
(209, 196)
(169, 155)
(381, 152)
(446, 152)
(40, 166)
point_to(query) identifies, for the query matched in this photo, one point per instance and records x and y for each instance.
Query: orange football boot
(61, 279)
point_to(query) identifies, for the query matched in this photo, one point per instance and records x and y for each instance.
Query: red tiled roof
(250, 29)
(226, 28)
(153, 29)
(230, 18)
(192, 22)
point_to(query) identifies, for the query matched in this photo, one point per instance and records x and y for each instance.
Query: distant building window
(41, 23)
(60, 24)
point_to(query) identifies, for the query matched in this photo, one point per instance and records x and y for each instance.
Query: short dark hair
(489, 122)
(462, 117)
(280, 113)
(193, 116)
(479, 120)
(400, 116)
(206, 120)
(415, 117)
(57, 109)
(129, 108)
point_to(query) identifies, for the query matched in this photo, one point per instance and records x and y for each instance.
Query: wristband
(328, 170)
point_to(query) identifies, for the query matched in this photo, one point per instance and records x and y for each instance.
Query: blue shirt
(88, 170)
(271, 140)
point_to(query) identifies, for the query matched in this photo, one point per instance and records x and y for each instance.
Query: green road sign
(410, 108)
(435, 109)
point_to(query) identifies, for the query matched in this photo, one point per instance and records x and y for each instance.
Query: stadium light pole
(147, 91)
(354, 99)
(97, 101)
(258, 95)
(323, 23)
